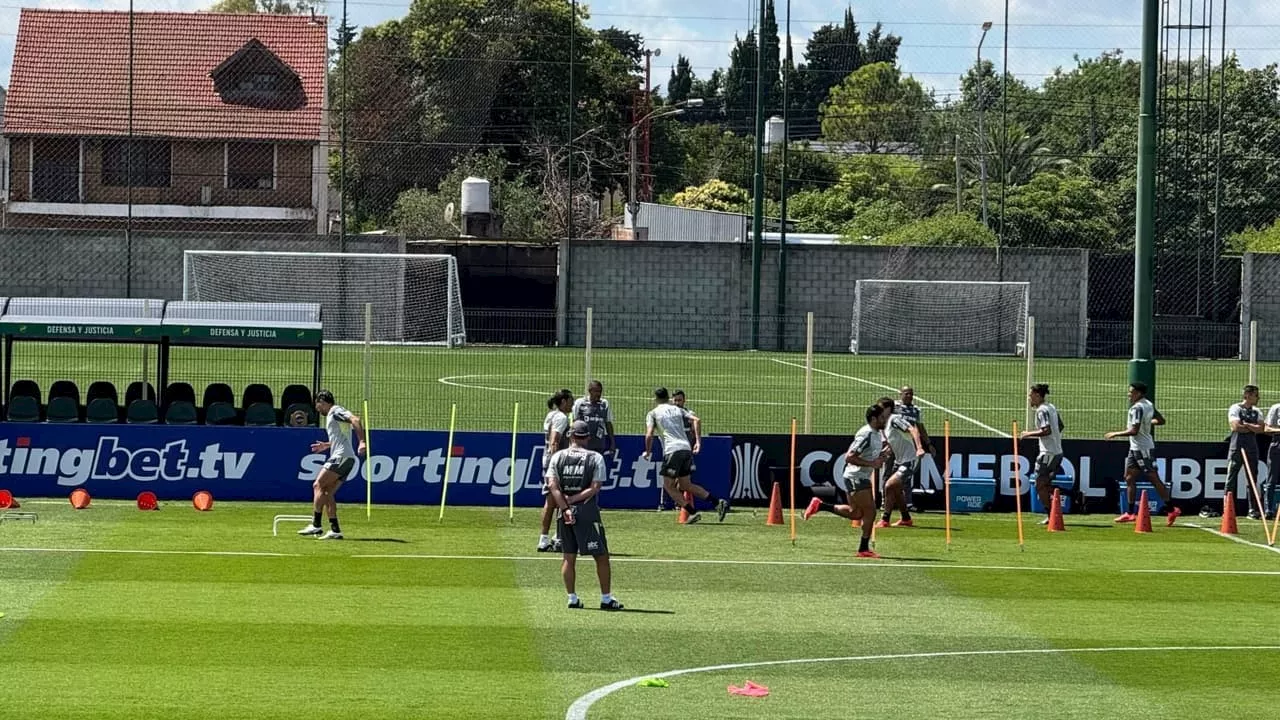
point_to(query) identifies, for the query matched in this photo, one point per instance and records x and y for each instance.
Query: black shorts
(341, 467)
(586, 535)
(677, 464)
(1048, 465)
(1141, 460)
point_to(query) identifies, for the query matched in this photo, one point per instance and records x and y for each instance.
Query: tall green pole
(781, 323)
(1142, 368)
(757, 204)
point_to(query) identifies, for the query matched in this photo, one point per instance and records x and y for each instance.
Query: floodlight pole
(1142, 368)
(757, 187)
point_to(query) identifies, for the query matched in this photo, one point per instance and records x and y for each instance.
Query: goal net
(926, 317)
(414, 298)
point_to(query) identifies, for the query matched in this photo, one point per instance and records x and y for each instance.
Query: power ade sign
(276, 464)
(982, 470)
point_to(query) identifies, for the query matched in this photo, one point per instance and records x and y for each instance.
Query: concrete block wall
(1260, 301)
(697, 295)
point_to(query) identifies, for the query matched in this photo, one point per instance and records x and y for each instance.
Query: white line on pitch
(1233, 538)
(115, 551)
(578, 710)
(452, 381)
(882, 386)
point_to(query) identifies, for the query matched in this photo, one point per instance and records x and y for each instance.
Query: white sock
(573, 598)
(542, 540)
(606, 598)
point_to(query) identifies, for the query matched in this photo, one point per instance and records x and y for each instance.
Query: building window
(251, 166)
(151, 163)
(55, 170)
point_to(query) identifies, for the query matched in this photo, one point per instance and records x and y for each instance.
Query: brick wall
(640, 291)
(1260, 301)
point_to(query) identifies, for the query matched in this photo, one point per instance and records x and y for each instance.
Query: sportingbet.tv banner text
(1197, 471)
(38, 460)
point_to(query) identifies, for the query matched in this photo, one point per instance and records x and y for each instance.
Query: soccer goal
(928, 317)
(414, 299)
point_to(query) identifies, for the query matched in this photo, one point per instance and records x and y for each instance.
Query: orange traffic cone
(6, 500)
(775, 506)
(1229, 515)
(80, 498)
(1143, 525)
(1055, 514)
(684, 514)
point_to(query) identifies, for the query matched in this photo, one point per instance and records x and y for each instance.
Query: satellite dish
(657, 52)
(448, 213)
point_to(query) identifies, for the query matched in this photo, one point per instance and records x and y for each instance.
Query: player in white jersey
(555, 435)
(338, 425)
(906, 407)
(668, 420)
(1272, 427)
(1048, 431)
(903, 438)
(867, 453)
(1141, 459)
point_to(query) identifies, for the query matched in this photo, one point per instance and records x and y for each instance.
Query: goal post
(412, 299)
(940, 317)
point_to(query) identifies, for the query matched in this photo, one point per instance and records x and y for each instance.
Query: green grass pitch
(114, 613)
(733, 392)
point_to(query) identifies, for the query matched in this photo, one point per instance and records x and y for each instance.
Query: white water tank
(475, 196)
(774, 131)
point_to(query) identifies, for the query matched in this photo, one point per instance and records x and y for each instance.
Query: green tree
(423, 214)
(681, 83)
(713, 195)
(877, 219)
(1256, 240)
(874, 106)
(739, 84)
(940, 231)
(881, 48)
(276, 7)
(821, 211)
(1054, 210)
(831, 54)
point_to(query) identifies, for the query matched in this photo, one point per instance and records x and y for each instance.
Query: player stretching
(904, 441)
(596, 412)
(574, 477)
(866, 454)
(338, 424)
(1141, 458)
(907, 408)
(1246, 424)
(1049, 432)
(677, 455)
(555, 428)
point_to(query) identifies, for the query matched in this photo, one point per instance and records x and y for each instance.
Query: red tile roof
(71, 74)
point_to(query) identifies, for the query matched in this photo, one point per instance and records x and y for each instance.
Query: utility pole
(982, 131)
(757, 187)
(1142, 368)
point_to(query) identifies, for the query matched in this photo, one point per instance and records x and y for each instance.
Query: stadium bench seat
(102, 410)
(260, 415)
(257, 393)
(295, 395)
(62, 409)
(142, 412)
(180, 392)
(218, 393)
(136, 390)
(101, 389)
(23, 408)
(220, 413)
(308, 412)
(64, 388)
(29, 388)
(180, 412)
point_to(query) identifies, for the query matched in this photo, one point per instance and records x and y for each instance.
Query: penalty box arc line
(580, 707)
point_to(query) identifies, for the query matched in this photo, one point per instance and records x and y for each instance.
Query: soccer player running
(1245, 420)
(1049, 433)
(903, 438)
(677, 454)
(866, 454)
(1141, 459)
(555, 428)
(574, 477)
(338, 425)
(693, 433)
(596, 412)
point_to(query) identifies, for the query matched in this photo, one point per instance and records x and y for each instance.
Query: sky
(939, 37)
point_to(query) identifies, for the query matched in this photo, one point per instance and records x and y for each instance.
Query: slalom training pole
(1017, 479)
(1257, 499)
(448, 460)
(946, 473)
(793, 481)
(368, 463)
(1275, 525)
(875, 505)
(511, 485)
